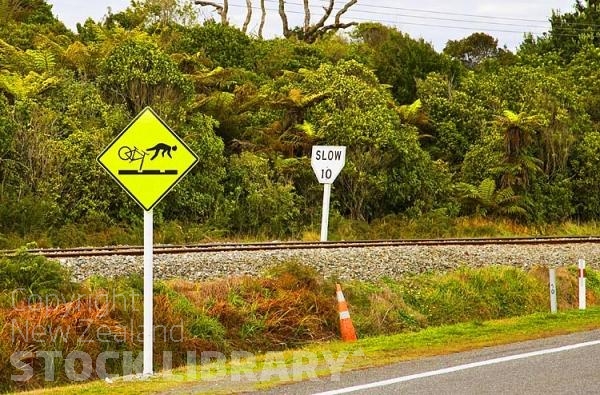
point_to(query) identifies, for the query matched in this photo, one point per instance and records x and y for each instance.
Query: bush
(257, 203)
(224, 45)
(289, 307)
(25, 216)
(34, 275)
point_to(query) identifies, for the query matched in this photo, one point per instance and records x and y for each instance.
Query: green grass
(368, 352)
(435, 224)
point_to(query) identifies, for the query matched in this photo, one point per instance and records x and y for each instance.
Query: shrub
(258, 203)
(33, 274)
(75, 325)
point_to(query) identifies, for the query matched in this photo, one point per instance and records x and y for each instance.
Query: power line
(438, 18)
(579, 25)
(532, 29)
(446, 13)
(396, 22)
(357, 7)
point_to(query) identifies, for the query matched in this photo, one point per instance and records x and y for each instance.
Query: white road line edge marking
(458, 368)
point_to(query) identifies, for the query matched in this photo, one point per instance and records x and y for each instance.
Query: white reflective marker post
(553, 305)
(581, 265)
(327, 162)
(148, 292)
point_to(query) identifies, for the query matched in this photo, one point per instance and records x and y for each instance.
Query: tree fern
(78, 55)
(486, 191)
(42, 59)
(487, 199)
(409, 112)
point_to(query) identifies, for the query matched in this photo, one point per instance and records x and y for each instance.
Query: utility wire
(439, 12)
(577, 27)
(577, 24)
(396, 22)
(357, 8)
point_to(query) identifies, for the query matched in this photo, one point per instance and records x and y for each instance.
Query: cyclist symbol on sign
(135, 154)
(164, 148)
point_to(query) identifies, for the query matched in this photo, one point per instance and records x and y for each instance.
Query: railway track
(262, 246)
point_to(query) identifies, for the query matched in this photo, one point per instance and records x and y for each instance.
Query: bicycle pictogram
(132, 155)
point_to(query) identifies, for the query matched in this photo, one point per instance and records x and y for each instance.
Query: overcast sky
(434, 20)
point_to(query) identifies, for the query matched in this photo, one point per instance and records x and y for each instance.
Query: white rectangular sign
(327, 162)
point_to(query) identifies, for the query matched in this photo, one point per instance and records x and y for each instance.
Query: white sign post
(147, 181)
(553, 305)
(327, 162)
(148, 292)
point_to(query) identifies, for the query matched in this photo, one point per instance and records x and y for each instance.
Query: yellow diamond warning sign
(147, 159)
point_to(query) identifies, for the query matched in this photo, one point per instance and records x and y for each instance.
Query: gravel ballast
(368, 263)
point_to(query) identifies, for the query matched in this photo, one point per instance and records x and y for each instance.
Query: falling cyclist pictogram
(135, 154)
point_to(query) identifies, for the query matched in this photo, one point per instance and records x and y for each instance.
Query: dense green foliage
(25, 274)
(472, 131)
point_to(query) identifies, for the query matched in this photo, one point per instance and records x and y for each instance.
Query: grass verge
(291, 306)
(434, 224)
(324, 359)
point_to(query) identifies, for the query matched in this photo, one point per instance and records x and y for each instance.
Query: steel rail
(264, 246)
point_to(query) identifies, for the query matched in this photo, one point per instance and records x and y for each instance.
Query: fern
(43, 60)
(307, 128)
(486, 198)
(486, 192)
(409, 112)
(78, 55)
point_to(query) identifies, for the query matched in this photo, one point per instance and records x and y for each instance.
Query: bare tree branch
(201, 3)
(248, 15)
(263, 16)
(343, 10)
(284, 20)
(335, 26)
(318, 29)
(222, 10)
(306, 16)
(321, 22)
(309, 33)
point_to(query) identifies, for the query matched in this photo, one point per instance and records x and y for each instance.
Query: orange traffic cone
(346, 328)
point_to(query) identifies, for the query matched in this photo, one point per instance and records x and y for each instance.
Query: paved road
(560, 365)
